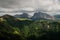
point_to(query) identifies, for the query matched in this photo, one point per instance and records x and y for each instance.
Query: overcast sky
(48, 6)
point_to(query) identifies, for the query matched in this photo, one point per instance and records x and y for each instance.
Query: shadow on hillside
(47, 36)
(9, 36)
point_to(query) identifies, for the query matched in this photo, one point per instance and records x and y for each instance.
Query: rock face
(40, 15)
(24, 15)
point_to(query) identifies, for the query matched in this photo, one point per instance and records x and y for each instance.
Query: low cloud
(49, 6)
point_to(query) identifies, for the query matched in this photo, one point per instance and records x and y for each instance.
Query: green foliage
(25, 29)
(16, 31)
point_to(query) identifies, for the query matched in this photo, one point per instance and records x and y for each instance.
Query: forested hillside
(12, 28)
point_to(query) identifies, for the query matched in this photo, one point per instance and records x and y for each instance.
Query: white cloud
(49, 6)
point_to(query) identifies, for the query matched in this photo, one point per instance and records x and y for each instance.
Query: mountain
(9, 28)
(12, 28)
(57, 16)
(11, 20)
(7, 23)
(24, 15)
(40, 15)
(36, 16)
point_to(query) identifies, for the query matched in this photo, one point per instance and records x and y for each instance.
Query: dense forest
(12, 28)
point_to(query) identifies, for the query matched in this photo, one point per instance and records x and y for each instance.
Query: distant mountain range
(36, 16)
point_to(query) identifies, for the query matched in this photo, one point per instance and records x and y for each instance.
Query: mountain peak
(40, 15)
(24, 15)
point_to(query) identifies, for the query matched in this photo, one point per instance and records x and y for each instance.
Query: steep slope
(7, 31)
(7, 22)
(40, 15)
(11, 20)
